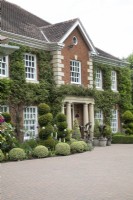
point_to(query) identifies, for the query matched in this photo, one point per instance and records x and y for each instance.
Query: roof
(16, 20)
(55, 32)
(104, 54)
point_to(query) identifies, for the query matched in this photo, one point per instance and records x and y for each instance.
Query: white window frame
(114, 121)
(113, 80)
(29, 69)
(4, 108)
(99, 116)
(4, 67)
(75, 70)
(30, 118)
(99, 80)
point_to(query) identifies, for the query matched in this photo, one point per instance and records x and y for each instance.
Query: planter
(95, 142)
(102, 142)
(108, 142)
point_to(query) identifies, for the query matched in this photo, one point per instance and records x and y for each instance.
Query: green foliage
(49, 143)
(85, 145)
(107, 132)
(60, 117)
(77, 147)
(62, 125)
(62, 149)
(7, 137)
(40, 151)
(46, 131)
(76, 131)
(1, 156)
(43, 108)
(127, 118)
(96, 129)
(7, 117)
(122, 139)
(5, 90)
(43, 120)
(17, 154)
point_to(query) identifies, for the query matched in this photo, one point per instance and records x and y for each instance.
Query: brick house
(73, 54)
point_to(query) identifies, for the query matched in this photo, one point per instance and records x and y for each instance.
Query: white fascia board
(84, 34)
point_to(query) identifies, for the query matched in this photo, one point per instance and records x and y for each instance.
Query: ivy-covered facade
(58, 64)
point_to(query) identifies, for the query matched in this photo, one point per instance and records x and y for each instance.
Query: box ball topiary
(62, 149)
(1, 156)
(43, 108)
(40, 151)
(17, 154)
(77, 147)
(43, 120)
(62, 125)
(7, 117)
(61, 117)
(46, 131)
(86, 147)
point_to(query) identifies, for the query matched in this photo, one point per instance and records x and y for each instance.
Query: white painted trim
(84, 33)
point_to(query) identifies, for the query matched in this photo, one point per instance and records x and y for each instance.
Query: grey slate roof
(16, 20)
(106, 55)
(55, 32)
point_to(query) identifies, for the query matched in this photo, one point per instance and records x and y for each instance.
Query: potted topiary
(96, 133)
(102, 138)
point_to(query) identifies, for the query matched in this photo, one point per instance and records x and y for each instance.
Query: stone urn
(102, 142)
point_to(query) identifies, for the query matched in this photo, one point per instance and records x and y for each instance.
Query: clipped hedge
(17, 154)
(62, 149)
(40, 151)
(43, 120)
(122, 139)
(1, 156)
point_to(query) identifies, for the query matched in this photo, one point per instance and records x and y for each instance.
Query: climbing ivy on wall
(18, 93)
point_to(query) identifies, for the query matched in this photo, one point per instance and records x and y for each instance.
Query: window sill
(31, 81)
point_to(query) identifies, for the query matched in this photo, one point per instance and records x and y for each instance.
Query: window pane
(75, 68)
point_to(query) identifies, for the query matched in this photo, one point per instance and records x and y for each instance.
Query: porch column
(62, 108)
(85, 114)
(91, 111)
(68, 114)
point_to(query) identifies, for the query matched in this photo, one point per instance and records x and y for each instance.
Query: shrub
(45, 119)
(7, 117)
(1, 156)
(62, 125)
(127, 116)
(46, 131)
(62, 149)
(86, 147)
(122, 139)
(77, 147)
(17, 154)
(61, 117)
(73, 140)
(40, 151)
(43, 109)
(49, 143)
(7, 137)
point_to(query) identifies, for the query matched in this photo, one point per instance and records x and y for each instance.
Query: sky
(107, 22)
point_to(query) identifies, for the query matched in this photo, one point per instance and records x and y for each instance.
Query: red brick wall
(82, 52)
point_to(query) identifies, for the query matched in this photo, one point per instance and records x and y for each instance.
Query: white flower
(43, 127)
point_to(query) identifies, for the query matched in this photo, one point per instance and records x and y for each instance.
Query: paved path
(106, 173)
